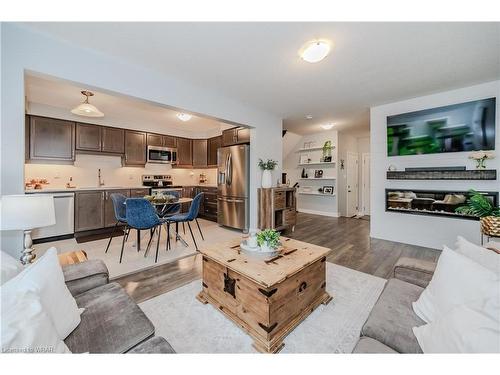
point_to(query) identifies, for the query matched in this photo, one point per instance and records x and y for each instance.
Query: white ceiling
(59, 97)
(257, 63)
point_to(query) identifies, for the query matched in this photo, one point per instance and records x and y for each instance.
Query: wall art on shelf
(304, 159)
(327, 189)
(318, 173)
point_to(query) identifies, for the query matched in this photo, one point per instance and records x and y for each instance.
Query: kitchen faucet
(101, 181)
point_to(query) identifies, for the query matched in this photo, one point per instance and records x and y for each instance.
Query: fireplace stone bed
(431, 202)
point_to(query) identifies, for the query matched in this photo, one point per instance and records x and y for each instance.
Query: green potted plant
(268, 240)
(478, 205)
(267, 167)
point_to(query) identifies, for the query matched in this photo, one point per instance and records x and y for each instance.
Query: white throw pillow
(26, 327)
(478, 254)
(46, 276)
(470, 328)
(456, 280)
(10, 267)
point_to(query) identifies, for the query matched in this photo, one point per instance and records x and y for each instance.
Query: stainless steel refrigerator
(233, 186)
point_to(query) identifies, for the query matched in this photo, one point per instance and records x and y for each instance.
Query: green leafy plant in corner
(478, 205)
(270, 236)
(268, 165)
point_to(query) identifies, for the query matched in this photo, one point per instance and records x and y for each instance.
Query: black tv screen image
(453, 128)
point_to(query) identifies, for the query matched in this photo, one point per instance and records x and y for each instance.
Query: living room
(369, 221)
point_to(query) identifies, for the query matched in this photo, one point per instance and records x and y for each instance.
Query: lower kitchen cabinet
(109, 211)
(139, 193)
(89, 210)
(208, 207)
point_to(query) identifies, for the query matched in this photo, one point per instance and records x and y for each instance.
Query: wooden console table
(266, 298)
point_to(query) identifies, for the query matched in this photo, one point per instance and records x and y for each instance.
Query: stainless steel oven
(162, 155)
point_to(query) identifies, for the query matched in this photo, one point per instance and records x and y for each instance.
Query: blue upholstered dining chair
(191, 215)
(120, 215)
(142, 215)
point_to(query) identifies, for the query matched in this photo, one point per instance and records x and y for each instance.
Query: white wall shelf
(312, 149)
(322, 178)
(318, 163)
(321, 194)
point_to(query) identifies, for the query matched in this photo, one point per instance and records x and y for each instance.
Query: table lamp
(27, 212)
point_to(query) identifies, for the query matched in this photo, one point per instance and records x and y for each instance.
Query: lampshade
(24, 212)
(86, 109)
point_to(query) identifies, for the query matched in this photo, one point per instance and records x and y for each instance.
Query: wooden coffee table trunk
(267, 299)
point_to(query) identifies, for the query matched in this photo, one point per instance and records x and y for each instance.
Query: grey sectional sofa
(388, 328)
(111, 322)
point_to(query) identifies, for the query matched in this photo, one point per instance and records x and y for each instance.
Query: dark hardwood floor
(347, 237)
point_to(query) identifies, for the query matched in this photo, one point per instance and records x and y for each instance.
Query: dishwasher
(64, 205)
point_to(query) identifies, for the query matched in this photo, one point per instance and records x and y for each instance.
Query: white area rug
(191, 327)
(135, 261)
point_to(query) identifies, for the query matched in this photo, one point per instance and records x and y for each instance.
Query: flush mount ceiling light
(309, 117)
(86, 109)
(327, 126)
(184, 117)
(315, 51)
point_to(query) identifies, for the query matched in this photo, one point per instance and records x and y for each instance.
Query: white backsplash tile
(84, 172)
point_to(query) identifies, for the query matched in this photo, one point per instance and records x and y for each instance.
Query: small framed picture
(327, 189)
(327, 159)
(318, 173)
(304, 159)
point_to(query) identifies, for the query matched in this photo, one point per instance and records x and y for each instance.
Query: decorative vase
(266, 179)
(490, 226)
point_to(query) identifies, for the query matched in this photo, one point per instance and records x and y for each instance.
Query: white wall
(26, 50)
(319, 205)
(427, 231)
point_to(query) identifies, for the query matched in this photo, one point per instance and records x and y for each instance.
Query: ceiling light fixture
(184, 116)
(86, 109)
(315, 51)
(327, 126)
(309, 117)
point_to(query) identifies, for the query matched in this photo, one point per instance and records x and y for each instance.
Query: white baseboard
(322, 213)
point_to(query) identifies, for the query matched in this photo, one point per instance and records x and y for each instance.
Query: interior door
(352, 184)
(365, 183)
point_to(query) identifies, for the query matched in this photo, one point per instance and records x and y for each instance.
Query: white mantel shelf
(312, 149)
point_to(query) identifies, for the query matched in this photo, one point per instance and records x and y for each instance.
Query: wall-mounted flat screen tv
(460, 127)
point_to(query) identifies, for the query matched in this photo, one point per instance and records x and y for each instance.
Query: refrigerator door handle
(229, 177)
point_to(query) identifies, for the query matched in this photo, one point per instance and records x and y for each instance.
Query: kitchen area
(81, 160)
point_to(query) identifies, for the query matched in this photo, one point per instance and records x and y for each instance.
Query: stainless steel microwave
(162, 155)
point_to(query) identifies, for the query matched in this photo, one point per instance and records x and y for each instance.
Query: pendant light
(86, 109)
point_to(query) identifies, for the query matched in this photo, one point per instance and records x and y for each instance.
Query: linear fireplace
(431, 202)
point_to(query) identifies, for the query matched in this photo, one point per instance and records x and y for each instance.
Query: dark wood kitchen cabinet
(139, 193)
(135, 148)
(235, 136)
(200, 153)
(162, 140)
(112, 140)
(208, 207)
(89, 210)
(184, 152)
(51, 139)
(213, 144)
(109, 212)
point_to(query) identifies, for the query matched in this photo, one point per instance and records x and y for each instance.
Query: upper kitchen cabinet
(112, 140)
(213, 144)
(51, 139)
(135, 148)
(200, 153)
(162, 140)
(235, 136)
(96, 139)
(184, 152)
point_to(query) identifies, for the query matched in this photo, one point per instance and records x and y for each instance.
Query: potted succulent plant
(478, 205)
(480, 157)
(268, 240)
(267, 167)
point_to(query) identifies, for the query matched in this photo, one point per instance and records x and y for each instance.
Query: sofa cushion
(111, 323)
(392, 318)
(367, 345)
(153, 345)
(81, 277)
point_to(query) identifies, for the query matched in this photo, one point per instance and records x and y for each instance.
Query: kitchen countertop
(69, 190)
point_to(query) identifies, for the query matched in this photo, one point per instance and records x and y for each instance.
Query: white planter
(267, 179)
